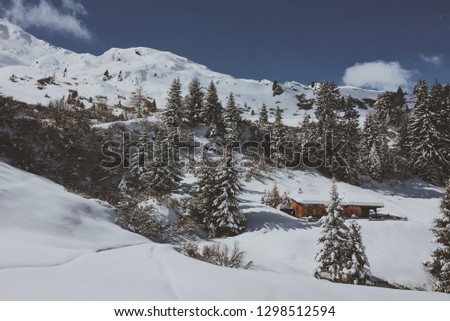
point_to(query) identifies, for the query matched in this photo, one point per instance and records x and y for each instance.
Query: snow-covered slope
(42, 224)
(20, 48)
(30, 59)
(56, 245)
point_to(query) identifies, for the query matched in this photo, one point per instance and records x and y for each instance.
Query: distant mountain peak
(18, 47)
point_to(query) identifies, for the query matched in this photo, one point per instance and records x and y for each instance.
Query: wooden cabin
(318, 209)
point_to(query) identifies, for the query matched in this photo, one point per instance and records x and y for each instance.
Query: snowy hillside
(30, 59)
(54, 240)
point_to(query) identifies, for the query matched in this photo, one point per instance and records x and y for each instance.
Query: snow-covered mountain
(30, 59)
(20, 48)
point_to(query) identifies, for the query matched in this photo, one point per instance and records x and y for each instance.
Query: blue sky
(379, 44)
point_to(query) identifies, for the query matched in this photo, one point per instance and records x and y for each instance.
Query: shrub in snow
(217, 255)
(439, 264)
(141, 220)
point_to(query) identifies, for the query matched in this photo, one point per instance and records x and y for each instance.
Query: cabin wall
(298, 209)
(351, 210)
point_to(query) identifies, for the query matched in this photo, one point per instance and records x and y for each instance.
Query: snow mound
(42, 224)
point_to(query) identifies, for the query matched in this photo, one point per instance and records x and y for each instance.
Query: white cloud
(380, 75)
(434, 60)
(64, 19)
(74, 7)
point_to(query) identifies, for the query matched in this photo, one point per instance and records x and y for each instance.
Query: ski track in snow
(163, 272)
(69, 260)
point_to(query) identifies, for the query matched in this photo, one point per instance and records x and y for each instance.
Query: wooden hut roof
(319, 202)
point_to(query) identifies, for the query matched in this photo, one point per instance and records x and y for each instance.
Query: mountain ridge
(149, 68)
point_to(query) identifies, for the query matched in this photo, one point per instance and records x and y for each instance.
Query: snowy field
(59, 246)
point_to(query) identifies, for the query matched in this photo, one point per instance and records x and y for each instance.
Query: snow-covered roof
(322, 202)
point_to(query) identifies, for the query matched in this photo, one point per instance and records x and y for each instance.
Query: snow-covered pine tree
(375, 155)
(439, 265)
(272, 198)
(439, 104)
(194, 104)
(328, 104)
(427, 159)
(357, 270)
(226, 218)
(212, 113)
(263, 116)
(306, 136)
(349, 133)
(332, 256)
(134, 182)
(401, 148)
(174, 105)
(303, 103)
(278, 135)
(445, 116)
(232, 120)
(374, 164)
(204, 190)
(162, 174)
(141, 103)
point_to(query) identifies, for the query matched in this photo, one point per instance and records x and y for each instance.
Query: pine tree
(348, 132)
(138, 101)
(276, 89)
(389, 107)
(193, 104)
(306, 135)
(303, 103)
(204, 190)
(174, 105)
(139, 165)
(232, 120)
(278, 132)
(439, 105)
(401, 148)
(328, 106)
(272, 198)
(212, 113)
(263, 116)
(164, 174)
(439, 265)
(427, 157)
(226, 218)
(357, 269)
(375, 154)
(332, 257)
(328, 103)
